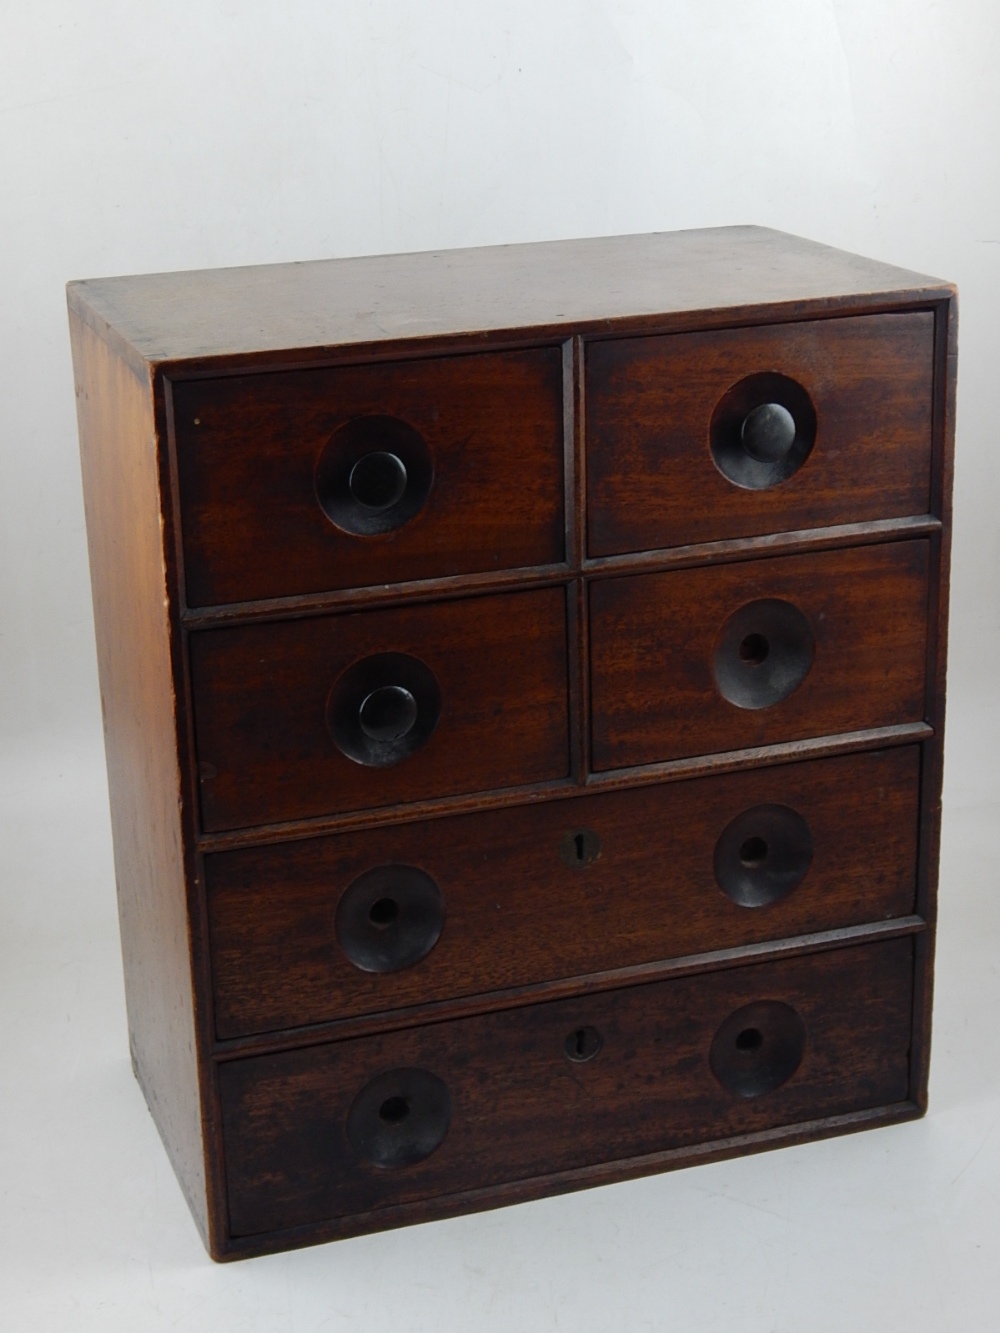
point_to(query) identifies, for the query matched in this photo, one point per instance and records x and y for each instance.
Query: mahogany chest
(523, 675)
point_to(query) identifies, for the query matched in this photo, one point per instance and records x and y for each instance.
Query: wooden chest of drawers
(523, 677)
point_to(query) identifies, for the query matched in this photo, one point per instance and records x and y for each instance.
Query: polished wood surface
(653, 639)
(132, 590)
(261, 692)
(652, 481)
(521, 906)
(521, 1107)
(630, 806)
(271, 311)
(248, 449)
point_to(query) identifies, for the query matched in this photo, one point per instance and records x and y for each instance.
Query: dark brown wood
(132, 588)
(520, 1107)
(571, 786)
(268, 313)
(615, 978)
(248, 449)
(518, 911)
(261, 696)
(651, 476)
(653, 640)
(561, 1182)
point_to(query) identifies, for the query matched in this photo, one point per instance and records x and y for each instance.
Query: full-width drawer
(309, 717)
(696, 437)
(308, 480)
(309, 931)
(342, 1129)
(704, 660)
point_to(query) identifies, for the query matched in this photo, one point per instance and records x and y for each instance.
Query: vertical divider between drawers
(576, 539)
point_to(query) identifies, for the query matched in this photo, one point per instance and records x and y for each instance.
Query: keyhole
(393, 1110)
(580, 847)
(583, 1044)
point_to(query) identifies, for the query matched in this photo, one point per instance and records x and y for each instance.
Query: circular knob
(374, 475)
(768, 432)
(383, 709)
(758, 1048)
(399, 1118)
(388, 713)
(762, 855)
(763, 429)
(763, 653)
(378, 480)
(389, 918)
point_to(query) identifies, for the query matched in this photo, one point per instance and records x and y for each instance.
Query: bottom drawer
(330, 1131)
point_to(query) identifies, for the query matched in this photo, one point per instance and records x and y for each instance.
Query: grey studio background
(214, 132)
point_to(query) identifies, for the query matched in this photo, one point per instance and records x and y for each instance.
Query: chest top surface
(589, 284)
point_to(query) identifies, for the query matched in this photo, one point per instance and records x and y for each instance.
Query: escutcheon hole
(750, 1039)
(754, 649)
(383, 911)
(393, 1110)
(753, 853)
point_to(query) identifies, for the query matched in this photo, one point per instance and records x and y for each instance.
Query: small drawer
(331, 1131)
(697, 437)
(310, 480)
(300, 718)
(310, 931)
(705, 660)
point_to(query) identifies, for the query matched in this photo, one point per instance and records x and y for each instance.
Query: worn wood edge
(121, 448)
(454, 586)
(517, 997)
(874, 532)
(673, 770)
(513, 337)
(201, 960)
(932, 761)
(565, 1182)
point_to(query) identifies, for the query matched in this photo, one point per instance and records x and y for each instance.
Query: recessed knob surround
(762, 431)
(399, 1118)
(383, 709)
(374, 475)
(389, 918)
(762, 855)
(758, 1048)
(763, 654)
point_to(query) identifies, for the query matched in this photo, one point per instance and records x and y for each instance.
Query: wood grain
(521, 1108)
(261, 691)
(517, 914)
(132, 613)
(652, 481)
(653, 637)
(248, 447)
(271, 311)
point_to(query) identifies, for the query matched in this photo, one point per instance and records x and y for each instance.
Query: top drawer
(679, 453)
(312, 480)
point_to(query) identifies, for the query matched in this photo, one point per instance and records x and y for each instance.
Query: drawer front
(311, 717)
(272, 505)
(337, 1130)
(706, 660)
(665, 426)
(563, 889)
